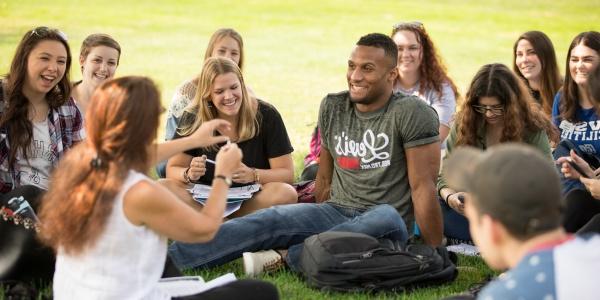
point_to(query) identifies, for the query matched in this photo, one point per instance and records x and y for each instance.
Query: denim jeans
(161, 167)
(456, 226)
(286, 227)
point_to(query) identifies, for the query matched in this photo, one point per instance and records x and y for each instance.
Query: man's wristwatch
(226, 179)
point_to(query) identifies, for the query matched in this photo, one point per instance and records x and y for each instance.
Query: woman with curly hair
(497, 109)
(534, 61)
(422, 73)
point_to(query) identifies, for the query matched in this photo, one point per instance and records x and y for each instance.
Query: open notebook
(191, 285)
(235, 196)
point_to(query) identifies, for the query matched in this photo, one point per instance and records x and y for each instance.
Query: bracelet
(226, 179)
(448, 196)
(256, 177)
(185, 175)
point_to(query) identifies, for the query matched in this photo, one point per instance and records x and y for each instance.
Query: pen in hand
(210, 161)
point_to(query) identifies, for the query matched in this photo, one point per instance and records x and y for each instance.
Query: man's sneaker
(256, 263)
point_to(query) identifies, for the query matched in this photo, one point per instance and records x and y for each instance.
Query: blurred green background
(296, 51)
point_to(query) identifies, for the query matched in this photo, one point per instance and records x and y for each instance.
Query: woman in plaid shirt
(38, 123)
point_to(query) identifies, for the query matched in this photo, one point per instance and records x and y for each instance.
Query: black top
(271, 141)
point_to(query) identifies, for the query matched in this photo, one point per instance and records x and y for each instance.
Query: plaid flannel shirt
(65, 125)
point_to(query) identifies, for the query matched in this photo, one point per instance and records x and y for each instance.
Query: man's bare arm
(423, 164)
(323, 180)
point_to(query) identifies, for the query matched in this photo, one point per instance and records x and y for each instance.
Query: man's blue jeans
(286, 227)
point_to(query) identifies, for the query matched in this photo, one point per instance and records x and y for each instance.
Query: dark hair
(432, 70)
(522, 115)
(594, 87)
(570, 93)
(381, 41)
(98, 39)
(550, 80)
(532, 211)
(121, 124)
(15, 117)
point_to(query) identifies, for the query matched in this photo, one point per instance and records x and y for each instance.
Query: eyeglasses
(43, 32)
(495, 109)
(411, 24)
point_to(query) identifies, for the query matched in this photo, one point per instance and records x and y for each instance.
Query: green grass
(296, 53)
(291, 285)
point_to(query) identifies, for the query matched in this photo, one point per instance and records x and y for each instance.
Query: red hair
(433, 72)
(121, 123)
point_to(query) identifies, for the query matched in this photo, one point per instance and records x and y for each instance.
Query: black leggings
(581, 209)
(33, 261)
(240, 289)
(248, 289)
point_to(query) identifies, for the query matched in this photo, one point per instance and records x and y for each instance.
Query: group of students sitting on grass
(377, 166)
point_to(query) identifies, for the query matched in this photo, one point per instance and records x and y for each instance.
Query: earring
(210, 104)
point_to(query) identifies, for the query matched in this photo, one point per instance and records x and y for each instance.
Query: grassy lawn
(296, 53)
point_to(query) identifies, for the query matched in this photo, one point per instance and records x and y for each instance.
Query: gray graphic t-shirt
(36, 169)
(368, 149)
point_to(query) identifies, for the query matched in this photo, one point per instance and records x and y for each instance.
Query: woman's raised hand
(228, 160)
(205, 135)
(570, 172)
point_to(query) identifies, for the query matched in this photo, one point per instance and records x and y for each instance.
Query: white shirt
(125, 262)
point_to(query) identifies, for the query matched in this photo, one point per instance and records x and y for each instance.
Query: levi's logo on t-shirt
(348, 162)
(368, 154)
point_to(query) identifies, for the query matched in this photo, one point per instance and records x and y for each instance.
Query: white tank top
(125, 262)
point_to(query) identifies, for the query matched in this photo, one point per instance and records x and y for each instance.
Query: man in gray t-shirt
(379, 162)
(369, 151)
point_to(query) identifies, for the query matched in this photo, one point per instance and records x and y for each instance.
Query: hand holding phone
(577, 168)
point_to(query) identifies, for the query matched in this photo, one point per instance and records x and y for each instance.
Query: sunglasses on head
(44, 31)
(411, 24)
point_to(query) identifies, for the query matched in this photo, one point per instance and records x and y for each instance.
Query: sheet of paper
(191, 285)
(465, 249)
(201, 191)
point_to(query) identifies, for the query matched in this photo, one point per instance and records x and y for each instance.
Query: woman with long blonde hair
(108, 222)
(225, 42)
(256, 126)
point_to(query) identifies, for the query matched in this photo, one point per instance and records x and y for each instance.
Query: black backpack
(347, 261)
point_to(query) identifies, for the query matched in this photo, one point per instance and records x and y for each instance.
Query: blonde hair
(218, 36)
(202, 110)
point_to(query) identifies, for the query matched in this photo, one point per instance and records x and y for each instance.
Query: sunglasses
(43, 32)
(411, 24)
(495, 109)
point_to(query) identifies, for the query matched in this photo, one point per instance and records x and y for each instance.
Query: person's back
(110, 268)
(564, 271)
(514, 207)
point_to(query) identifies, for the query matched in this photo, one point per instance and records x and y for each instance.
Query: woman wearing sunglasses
(422, 73)
(39, 122)
(498, 108)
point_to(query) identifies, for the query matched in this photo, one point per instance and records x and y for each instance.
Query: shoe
(256, 263)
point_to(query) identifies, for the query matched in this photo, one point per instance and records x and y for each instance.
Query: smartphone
(461, 198)
(577, 168)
